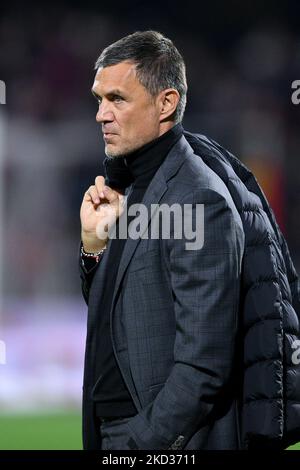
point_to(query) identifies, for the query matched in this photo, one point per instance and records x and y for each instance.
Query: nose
(104, 113)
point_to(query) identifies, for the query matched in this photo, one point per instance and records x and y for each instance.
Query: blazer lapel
(155, 191)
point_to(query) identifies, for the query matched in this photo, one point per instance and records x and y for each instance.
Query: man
(162, 351)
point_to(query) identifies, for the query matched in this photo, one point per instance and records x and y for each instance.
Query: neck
(165, 126)
(148, 158)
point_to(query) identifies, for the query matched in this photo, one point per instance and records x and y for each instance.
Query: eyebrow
(115, 91)
(95, 94)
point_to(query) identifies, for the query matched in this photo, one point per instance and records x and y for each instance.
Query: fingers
(111, 195)
(95, 192)
(99, 191)
(101, 187)
(92, 195)
(100, 183)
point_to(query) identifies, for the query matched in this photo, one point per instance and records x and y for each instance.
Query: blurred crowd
(239, 94)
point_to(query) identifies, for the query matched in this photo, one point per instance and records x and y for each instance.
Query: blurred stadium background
(241, 60)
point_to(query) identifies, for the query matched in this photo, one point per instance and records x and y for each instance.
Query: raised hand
(100, 208)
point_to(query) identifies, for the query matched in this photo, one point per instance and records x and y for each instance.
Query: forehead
(120, 76)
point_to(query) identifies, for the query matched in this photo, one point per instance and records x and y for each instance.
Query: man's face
(129, 115)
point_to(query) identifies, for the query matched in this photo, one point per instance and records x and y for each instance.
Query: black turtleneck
(141, 164)
(136, 169)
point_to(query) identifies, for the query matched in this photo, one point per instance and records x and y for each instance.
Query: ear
(168, 100)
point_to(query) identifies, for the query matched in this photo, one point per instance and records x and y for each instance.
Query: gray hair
(159, 65)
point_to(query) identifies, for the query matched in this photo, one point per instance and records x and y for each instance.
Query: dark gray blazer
(174, 319)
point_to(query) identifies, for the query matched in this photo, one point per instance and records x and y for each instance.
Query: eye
(117, 98)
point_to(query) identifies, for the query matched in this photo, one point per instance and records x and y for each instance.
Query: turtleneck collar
(146, 160)
(141, 165)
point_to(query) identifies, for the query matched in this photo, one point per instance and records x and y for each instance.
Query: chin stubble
(120, 154)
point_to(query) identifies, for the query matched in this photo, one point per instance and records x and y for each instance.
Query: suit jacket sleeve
(205, 285)
(86, 275)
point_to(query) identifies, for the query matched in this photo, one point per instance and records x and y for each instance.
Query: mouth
(108, 135)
